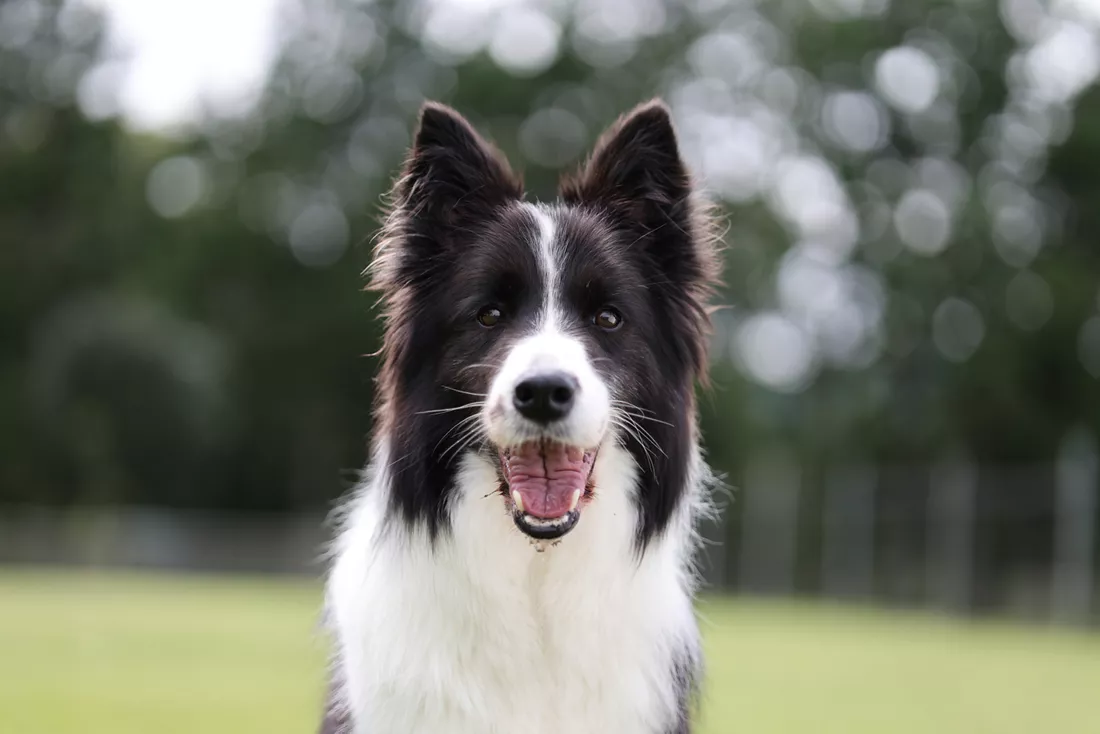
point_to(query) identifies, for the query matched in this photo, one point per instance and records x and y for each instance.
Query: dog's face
(533, 335)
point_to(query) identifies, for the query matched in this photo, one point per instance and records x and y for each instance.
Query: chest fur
(483, 634)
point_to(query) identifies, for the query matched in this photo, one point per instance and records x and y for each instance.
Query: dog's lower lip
(545, 529)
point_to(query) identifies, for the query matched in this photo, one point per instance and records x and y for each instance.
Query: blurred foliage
(911, 192)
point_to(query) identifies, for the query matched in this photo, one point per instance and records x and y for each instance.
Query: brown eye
(608, 319)
(489, 316)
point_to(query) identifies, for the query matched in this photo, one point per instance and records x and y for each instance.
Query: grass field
(134, 654)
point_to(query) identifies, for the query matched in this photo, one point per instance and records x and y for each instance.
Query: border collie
(518, 557)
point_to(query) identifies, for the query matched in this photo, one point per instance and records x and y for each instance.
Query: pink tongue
(546, 476)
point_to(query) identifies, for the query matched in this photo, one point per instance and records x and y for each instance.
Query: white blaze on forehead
(548, 264)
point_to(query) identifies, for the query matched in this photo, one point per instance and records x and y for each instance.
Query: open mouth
(546, 484)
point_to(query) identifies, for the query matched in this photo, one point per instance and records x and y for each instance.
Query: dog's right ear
(452, 174)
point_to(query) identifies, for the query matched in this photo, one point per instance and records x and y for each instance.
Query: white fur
(548, 352)
(548, 259)
(545, 351)
(483, 635)
(480, 633)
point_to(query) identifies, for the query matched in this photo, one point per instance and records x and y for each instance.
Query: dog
(519, 555)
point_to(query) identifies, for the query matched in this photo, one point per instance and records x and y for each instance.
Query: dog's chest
(536, 664)
(486, 636)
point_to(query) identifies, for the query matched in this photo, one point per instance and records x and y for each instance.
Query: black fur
(457, 239)
(336, 720)
(687, 673)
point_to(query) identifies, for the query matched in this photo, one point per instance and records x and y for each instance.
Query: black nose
(545, 398)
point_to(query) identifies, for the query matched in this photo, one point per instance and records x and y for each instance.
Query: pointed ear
(636, 167)
(637, 178)
(452, 172)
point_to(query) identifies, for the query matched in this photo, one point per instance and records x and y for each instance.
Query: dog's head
(534, 335)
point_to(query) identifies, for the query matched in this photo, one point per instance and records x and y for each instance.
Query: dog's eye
(489, 316)
(608, 319)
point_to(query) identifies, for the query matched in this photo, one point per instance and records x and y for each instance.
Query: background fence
(955, 536)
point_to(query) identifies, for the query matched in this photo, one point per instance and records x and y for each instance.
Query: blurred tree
(910, 269)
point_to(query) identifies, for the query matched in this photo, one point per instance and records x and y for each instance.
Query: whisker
(647, 445)
(629, 408)
(639, 434)
(649, 418)
(645, 449)
(463, 441)
(465, 392)
(627, 404)
(464, 422)
(467, 406)
(642, 433)
(468, 428)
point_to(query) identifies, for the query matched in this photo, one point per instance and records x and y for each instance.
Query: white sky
(172, 57)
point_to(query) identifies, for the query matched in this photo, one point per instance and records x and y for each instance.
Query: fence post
(848, 553)
(1074, 528)
(949, 555)
(769, 529)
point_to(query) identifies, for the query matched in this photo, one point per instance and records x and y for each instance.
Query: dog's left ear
(635, 169)
(637, 177)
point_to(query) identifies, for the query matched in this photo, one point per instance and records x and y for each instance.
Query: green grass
(137, 654)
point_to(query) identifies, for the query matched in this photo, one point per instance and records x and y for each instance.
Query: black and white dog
(519, 556)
